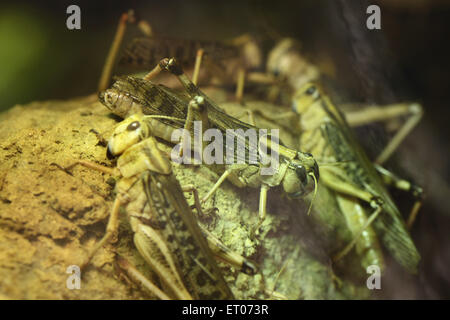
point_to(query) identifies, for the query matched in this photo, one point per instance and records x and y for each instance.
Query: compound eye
(133, 126)
(109, 98)
(301, 173)
(311, 90)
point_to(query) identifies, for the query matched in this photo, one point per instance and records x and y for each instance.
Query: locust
(241, 54)
(297, 171)
(166, 233)
(287, 60)
(355, 182)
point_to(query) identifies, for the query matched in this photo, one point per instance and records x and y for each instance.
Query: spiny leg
(401, 134)
(111, 230)
(399, 183)
(172, 65)
(377, 209)
(372, 114)
(240, 85)
(153, 248)
(368, 246)
(217, 247)
(153, 73)
(197, 202)
(217, 184)
(227, 255)
(112, 54)
(328, 177)
(195, 105)
(197, 102)
(137, 276)
(262, 208)
(125, 18)
(198, 62)
(272, 293)
(198, 98)
(332, 178)
(90, 165)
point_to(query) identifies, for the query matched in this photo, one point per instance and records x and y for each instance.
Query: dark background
(407, 60)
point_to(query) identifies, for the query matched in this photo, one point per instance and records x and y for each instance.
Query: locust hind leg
(156, 253)
(126, 18)
(272, 293)
(111, 231)
(240, 85)
(372, 114)
(198, 62)
(377, 209)
(217, 247)
(367, 245)
(138, 277)
(331, 178)
(401, 184)
(225, 254)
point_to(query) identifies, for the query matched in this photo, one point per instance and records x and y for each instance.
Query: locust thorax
(301, 176)
(306, 102)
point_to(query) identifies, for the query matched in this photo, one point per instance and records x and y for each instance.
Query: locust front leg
(262, 208)
(246, 177)
(195, 105)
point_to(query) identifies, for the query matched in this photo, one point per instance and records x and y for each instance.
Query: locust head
(137, 149)
(306, 103)
(304, 97)
(118, 101)
(127, 133)
(301, 175)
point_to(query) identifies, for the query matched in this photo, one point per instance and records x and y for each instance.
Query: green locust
(354, 180)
